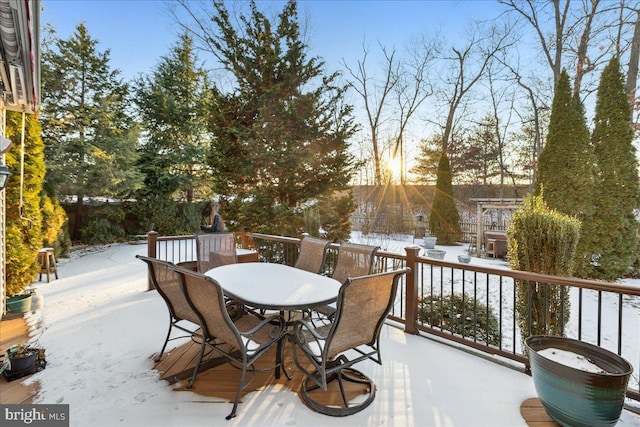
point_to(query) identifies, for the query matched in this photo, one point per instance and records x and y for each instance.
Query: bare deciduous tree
(536, 105)
(626, 38)
(374, 94)
(468, 65)
(578, 31)
(584, 64)
(412, 89)
(533, 12)
(501, 120)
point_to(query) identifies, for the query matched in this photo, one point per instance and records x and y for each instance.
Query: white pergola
(483, 205)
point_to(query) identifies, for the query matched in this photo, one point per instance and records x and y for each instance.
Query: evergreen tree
(426, 161)
(280, 135)
(24, 217)
(481, 153)
(615, 227)
(565, 167)
(173, 102)
(473, 155)
(89, 135)
(444, 219)
(336, 216)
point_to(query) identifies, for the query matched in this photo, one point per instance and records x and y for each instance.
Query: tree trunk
(77, 225)
(634, 57)
(376, 159)
(583, 66)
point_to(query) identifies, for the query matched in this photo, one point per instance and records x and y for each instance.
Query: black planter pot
(21, 366)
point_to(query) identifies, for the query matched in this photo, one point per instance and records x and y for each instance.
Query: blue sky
(139, 32)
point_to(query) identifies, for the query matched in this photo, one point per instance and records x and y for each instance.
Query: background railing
(475, 306)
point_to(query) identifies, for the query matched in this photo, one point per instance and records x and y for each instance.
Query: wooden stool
(47, 261)
(490, 249)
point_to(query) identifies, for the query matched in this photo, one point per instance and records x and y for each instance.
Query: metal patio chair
(353, 260)
(214, 250)
(167, 282)
(250, 336)
(363, 305)
(312, 254)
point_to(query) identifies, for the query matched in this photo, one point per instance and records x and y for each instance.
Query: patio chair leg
(348, 374)
(197, 367)
(240, 388)
(157, 359)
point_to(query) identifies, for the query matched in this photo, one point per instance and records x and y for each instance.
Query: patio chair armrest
(276, 322)
(309, 326)
(310, 340)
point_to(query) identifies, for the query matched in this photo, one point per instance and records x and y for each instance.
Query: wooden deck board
(178, 364)
(15, 330)
(222, 381)
(534, 414)
(15, 392)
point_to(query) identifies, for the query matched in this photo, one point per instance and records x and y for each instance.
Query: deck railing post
(411, 301)
(152, 243)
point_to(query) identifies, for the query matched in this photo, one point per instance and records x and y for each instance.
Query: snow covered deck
(102, 327)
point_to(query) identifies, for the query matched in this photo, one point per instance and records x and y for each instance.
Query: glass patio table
(275, 286)
(279, 287)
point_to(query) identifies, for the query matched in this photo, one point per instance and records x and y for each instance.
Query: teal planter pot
(575, 396)
(19, 304)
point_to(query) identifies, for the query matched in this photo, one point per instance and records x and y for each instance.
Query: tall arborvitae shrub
(542, 240)
(444, 219)
(614, 226)
(55, 225)
(24, 218)
(565, 166)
